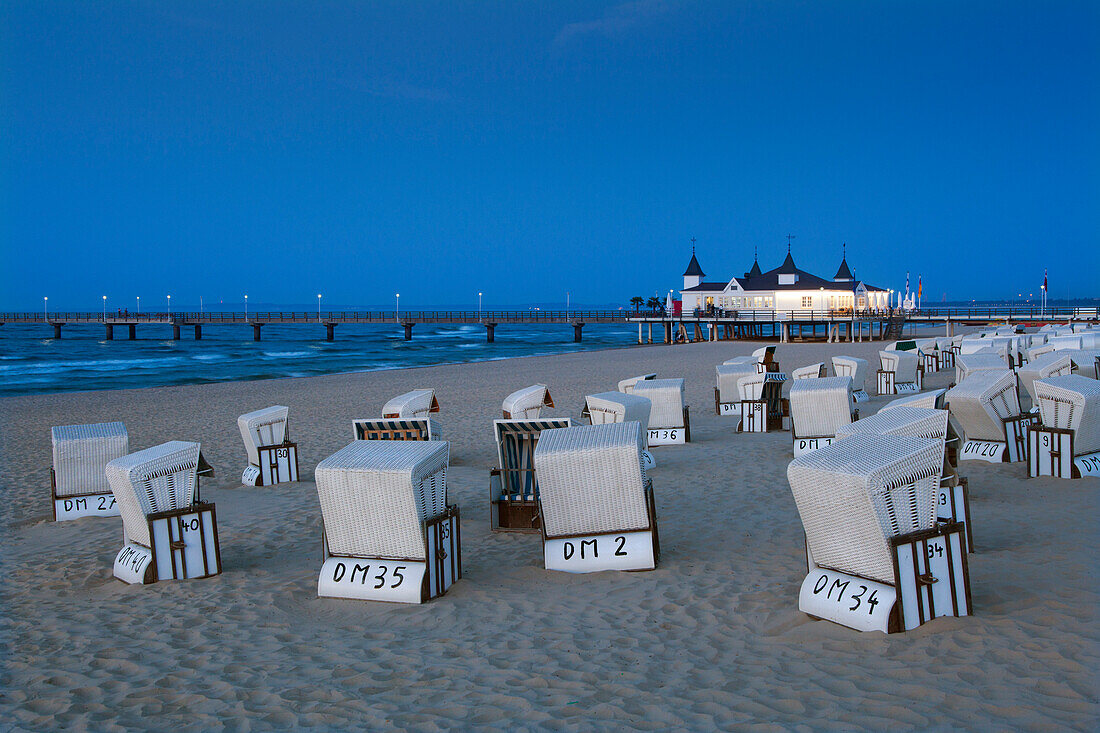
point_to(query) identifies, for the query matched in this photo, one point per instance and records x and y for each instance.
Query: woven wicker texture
(1037, 351)
(810, 371)
(80, 454)
(516, 441)
(527, 403)
(933, 399)
(263, 427)
(1072, 402)
(916, 422)
(820, 406)
(417, 403)
(1050, 364)
(850, 366)
(1061, 343)
(667, 396)
(751, 386)
(153, 480)
(727, 375)
(608, 407)
(591, 479)
(979, 402)
(855, 494)
(377, 494)
(742, 360)
(1083, 360)
(902, 363)
(967, 364)
(626, 386)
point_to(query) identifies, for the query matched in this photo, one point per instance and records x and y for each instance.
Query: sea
(31, 362)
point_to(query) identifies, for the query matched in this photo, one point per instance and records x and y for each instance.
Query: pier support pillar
(650, 332)
(640, 334)
(175, 332)
(668, 332)
(110, 332)
(57, 330)
(133, 331)
(948, 328)
(490, 332)
(198, 332)
(256, 331)
(408, 331)
(330, 332)
(577, 332)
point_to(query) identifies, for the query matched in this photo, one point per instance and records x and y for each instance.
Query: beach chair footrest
(184, 546)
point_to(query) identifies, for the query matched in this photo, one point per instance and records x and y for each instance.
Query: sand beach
(712, 639)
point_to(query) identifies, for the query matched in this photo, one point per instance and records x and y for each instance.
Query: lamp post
(397, 310)
(479, 307)
(246, 307)
(46, 308)
(139, 305)
(169, 307)
(318, 307)
(104, 308)
(567, 304)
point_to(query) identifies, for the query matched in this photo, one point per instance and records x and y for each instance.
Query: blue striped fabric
(406, 428)
(516, 441)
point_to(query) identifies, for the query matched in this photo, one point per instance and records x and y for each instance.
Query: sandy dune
(711, 639)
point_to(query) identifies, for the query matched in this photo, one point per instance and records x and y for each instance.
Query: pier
(782, 326)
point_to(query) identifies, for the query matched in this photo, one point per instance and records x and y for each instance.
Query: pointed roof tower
(844, 274)
(693, 267)
(755, 271)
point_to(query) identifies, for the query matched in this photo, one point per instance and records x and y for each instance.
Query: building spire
(789, 238)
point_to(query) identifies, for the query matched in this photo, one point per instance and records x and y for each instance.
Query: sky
(530, 149)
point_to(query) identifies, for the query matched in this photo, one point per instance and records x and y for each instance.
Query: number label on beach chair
(1088, 465)
(91, 505)
(589, 554)
(806, 445)
(366, 579)
(953, 505)
(901, 387)
(860, 395)
(1050, 452)
(858, 603)
(667, 436)
(932, 575)
(185, 543)
(990, 451)
(729, 409)
(133, 564)
(754, 416)
(1016, 446)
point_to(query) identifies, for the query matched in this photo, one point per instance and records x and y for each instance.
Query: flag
(920, 286)
(1044, 279)
(907, 285)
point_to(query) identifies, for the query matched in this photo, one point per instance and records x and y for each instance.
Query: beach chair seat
(612, 407)
(596, 503)
(899, 371)
(168, 532)
(1084, 361)
(933, 399)
(1050, 364)
(513, 484)
(669, 422)
(850, 366)
(389, 533)
(986, 406)
(765, 359)
(818, 408)
(626, 386)
(763, 407)
(810, 371)
(726, 397)
(401, 428)
(527, 403)
(877, 558)
(1067, 442)
(272, 457)
(967, 364)
(78, 484)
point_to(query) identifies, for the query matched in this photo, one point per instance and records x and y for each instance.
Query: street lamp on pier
(169, 307)
(46, 308)
(104, 308)
(479, 307)
(318, 307)
(139, 305)
(246, 307)
(397, 311)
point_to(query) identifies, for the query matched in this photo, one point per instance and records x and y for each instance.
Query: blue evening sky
(527, 149)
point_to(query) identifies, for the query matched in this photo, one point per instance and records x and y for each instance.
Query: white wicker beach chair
(765, 358)
(850, 366)
(1084, 361)
(868, 507)
(272, 458)
(626, 386)
(79, 486)
(527, 403)
(1051, 364)
(967, 364)
(1062, 343)
(933, 399)
(898, 372)
(669, 422)
(917, 422)
(763, 407)
(1072, 402)
(168, 532)
(818, 408)
(726, 396)
(389, 533)
(513, 484)
(810, 371)
(417, 403)
(615, 407)
(596, 503)
(986, 407)
(1037, 351)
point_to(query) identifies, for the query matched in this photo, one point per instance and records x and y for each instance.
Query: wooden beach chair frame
(517, 511)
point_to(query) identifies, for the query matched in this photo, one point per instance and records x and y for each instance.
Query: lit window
(807, 301)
